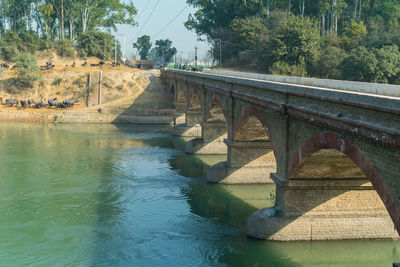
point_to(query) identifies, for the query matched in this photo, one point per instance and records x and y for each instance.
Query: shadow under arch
(251, 158)
(329, 140)
(335, 201)
(214, 131)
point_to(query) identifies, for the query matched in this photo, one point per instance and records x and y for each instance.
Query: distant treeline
(31, 25)
(340, 39)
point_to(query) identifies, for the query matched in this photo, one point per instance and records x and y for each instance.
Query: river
(105, 195)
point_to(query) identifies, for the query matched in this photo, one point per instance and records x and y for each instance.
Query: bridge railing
(362, 87)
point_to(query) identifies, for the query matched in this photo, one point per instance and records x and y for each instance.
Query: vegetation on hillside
(340, 39)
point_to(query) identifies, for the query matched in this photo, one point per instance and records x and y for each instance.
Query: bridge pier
(191, 127)
(249, 162)
(323, 209)
(180, 116)
(212, 140)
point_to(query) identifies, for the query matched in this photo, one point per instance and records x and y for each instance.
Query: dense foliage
(143, 46)
(57, 19)
(96, 44)
(27, 71)
(340, 39)
(63, 25)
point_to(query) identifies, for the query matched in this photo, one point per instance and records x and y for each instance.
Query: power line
(147, 3)
(169, 23)
(151, 13)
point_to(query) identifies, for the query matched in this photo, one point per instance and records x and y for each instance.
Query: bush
(97, 44)
(79, 82)
(57, 81)
(360, 65)
(27, 70)
(282, 68)
(65, 48)
(328, 65)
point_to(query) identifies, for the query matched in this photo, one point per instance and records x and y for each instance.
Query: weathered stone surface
(186, 131)
(198, 146)
(291, 130)
(224, 174)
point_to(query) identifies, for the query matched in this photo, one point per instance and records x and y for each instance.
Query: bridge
(333, 154)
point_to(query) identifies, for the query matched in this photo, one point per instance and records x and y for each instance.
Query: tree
(27, 70)
(388, 64)
(353, 35)
(97, 44)
(297, 42)
(165, 51)
(328, 65)
(360, 65)
(248, 33)
(143, 45)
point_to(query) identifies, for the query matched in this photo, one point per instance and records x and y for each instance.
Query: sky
(184, 40)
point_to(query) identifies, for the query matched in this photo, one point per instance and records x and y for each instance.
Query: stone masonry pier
(334, 155)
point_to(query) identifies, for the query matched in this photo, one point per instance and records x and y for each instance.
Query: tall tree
(143, 45)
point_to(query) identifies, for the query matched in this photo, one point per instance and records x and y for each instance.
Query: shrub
(328, 65)
(97, 44)
(360, 65)
(27, 70)
(57, 81)
(79, 82)
(65, 48)
(282, 68)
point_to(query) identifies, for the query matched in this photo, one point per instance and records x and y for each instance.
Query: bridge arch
(252, 138)
(172, 87)
(194, 102)
(180, 94)
(215, 110)
(253, 120)
(332, 141)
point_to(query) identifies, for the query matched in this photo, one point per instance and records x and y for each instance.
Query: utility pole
(220, 52)
(195, 56)
(115, 51)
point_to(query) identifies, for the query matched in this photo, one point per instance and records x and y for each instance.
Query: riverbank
(90, 115)
(127, 96)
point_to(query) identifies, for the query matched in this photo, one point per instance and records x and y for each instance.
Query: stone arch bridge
(334, 155)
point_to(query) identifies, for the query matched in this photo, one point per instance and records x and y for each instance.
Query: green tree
(297, 42)
(248, 33)
(27, 70)
(97, 44)
(165, 51)
(328, 65)
(353, 35)
(143, 45)
(388, 64)
(360, 65)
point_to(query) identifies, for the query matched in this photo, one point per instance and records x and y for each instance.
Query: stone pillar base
(199, 147)
(222, 173)
(269, 225)
(179, 119)
(186, 131)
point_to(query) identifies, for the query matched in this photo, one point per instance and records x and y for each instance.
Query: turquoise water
(101, 195)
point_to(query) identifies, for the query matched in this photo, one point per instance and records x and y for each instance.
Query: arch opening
(195, 103)
(251, 129)
(332, 184)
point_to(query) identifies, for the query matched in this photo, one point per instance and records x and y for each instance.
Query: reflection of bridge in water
(332, 154)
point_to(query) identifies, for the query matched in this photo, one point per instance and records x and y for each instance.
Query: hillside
(122, 87)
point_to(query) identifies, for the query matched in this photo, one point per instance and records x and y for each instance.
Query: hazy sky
(184, 40)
